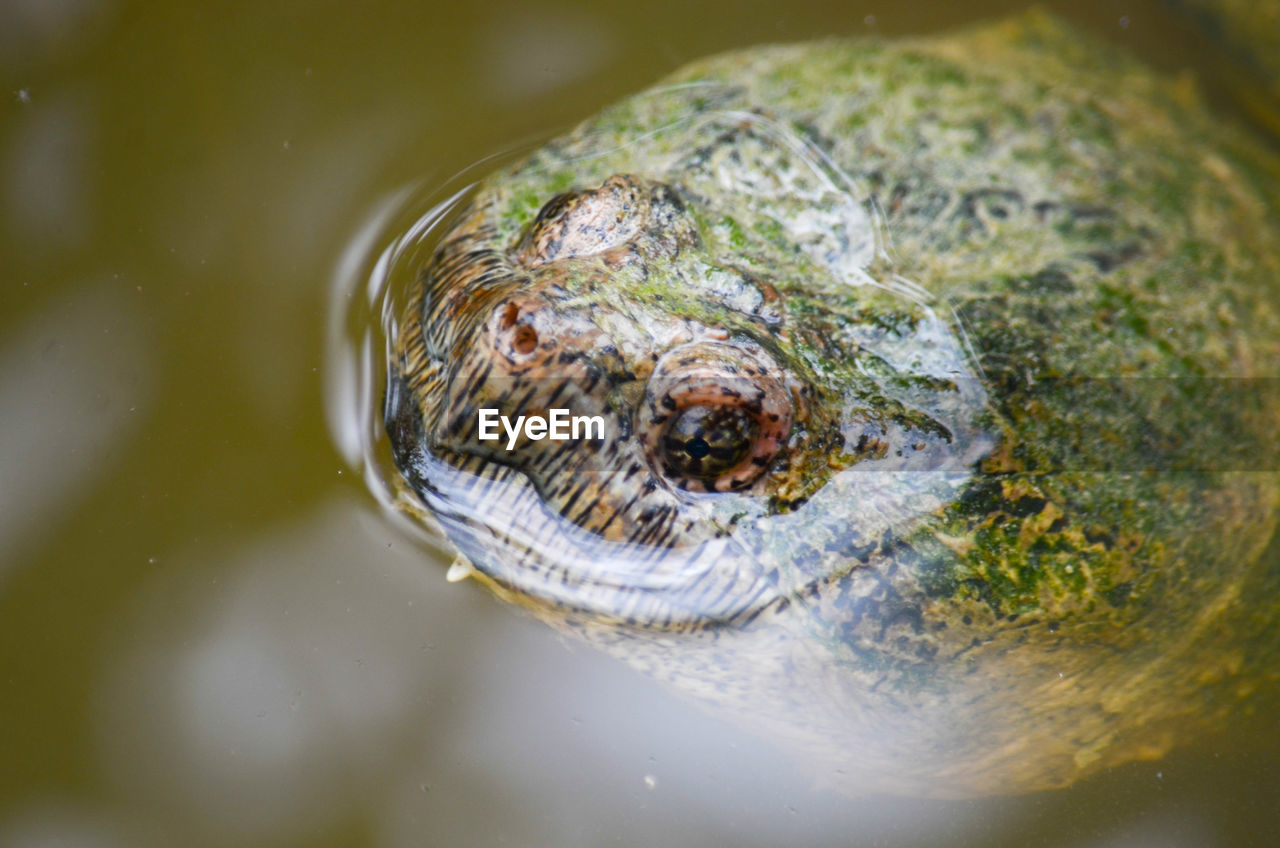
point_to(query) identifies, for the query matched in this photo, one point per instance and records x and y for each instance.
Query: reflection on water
(47, 824)
(209, 633)
(363, 312)
(530, 50)
(47, 29)
(44, 165)
(272, 692)
(75, 380)
(265, 694)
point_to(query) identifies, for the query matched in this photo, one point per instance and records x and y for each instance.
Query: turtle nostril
(509, 316)
(525, 340)
(516, 330)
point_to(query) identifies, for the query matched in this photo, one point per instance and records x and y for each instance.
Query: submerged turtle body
(936, 388)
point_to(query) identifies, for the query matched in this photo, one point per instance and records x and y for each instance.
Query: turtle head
(630, 402)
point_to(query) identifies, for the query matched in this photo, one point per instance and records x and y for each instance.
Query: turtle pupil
(705, 441)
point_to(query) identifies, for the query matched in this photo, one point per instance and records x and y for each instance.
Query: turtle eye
(714, 417)
(706, 441)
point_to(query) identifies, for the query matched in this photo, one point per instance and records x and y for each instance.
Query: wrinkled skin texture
(938, 387)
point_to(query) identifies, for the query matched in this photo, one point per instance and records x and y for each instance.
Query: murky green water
(210, 631)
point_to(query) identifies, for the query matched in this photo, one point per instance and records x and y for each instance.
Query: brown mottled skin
(938, 379)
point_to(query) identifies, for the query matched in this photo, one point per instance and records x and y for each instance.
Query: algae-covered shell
(936, 403)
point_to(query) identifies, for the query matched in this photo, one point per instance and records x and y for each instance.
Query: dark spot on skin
(993, 203)
(862, 553)
(1052, 280)
(1043, 208)
(1106, 261)
(1094, 537)
(1024, 507)
(664, 195)
(1119, 594)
